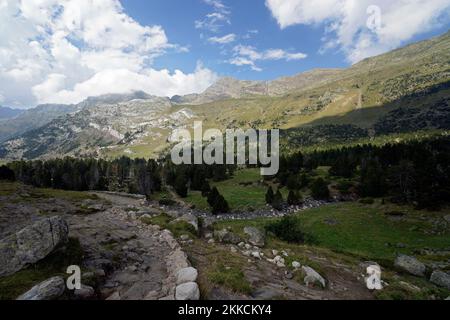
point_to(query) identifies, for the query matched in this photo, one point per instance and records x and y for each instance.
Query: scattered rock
(187, 275)
(275, 252)
(187, 291)
(296, 265)
(86, 292)
(257, 237)
(447, 218)
(50, 289)
(313, 277)
(233, 249)
(31, 244)
(441, 279)
(241, 245)
(211, 241)
(226, 236)
(410, 265)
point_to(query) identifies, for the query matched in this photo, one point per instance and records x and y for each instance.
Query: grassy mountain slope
(405, 90)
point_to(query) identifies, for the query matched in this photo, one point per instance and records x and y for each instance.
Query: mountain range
(405, 90)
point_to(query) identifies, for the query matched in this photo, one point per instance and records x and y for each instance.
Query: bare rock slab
(50, 289)
(31, 244)
(410, 265)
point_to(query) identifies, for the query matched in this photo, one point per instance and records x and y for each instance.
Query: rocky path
(138, 261)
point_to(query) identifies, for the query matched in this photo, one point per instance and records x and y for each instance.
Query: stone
(441, 279)
(257, 237)
(50, 289)
(447, 218)
(187, 275)
(209, 236)
(280, 264)
(296, 265)
(211, 241)
(86, 292)
(410, 265)
(288, 275)
(31, 244)
(275, 252)
(187, 291)
(226, 236)
(313, 277)
(188, 218)
(241, 245)
(256, 255)
(233, 249)
(184, 237)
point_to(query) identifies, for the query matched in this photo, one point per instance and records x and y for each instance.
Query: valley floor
(127, 256)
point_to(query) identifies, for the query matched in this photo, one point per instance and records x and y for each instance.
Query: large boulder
(441, 279)
(410, 265)
(257, 237)
(31, 244)
(189, 219)
(50, 289)
(313, 277)
(187, 275)
(187, 291)
(225, 236)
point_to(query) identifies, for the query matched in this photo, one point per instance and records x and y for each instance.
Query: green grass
(54, 265)
(178, 229)
(230, 277)
(243, 192)
(362, 230)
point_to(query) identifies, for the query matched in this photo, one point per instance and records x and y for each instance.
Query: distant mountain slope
(401, 91)
(9, 113)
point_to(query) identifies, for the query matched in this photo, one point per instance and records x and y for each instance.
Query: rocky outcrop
(225, 236)
(441, 279)
(31, 244)
(50, 289)
(410, 265)
(257, 237)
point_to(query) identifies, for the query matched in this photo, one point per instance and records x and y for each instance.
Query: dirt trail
(133, 255)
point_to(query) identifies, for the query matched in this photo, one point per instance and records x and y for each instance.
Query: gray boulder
(188, 218)
(31, 244)
(441, 279)
(313, 277)
(50, 289)
(257, 237)
(187, 275)
(225, 236)
(187, 291)
(86, 292)
(410, 265)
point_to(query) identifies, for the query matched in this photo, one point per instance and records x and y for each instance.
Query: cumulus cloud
(248, 56)
(350, 24)
(223, 40)
(62, 51)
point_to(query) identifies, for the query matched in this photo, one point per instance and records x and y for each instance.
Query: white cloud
(346, 21)
(62, 51)
(223, 40)
(248, 56)
(215, 20)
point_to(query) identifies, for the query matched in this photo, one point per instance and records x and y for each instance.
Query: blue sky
(178, 16)
(63, 51)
